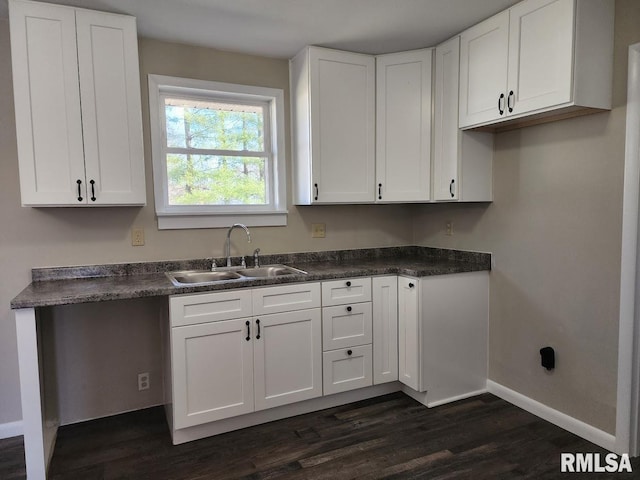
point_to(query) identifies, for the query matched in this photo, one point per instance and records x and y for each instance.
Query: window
(218, 153)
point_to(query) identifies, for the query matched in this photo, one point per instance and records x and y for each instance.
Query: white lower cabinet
(245, 350)
(222, 367)
(443, 333)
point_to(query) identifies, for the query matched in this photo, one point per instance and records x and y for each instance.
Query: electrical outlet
(449, 229)
(137, 236)
(143, 381)
(318, 230)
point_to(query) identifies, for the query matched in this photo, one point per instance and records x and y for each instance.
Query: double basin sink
(226, 274)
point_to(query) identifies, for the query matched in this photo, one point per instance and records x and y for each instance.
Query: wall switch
(137, 236)
(318, 230)
(143, 381)
(449, 229)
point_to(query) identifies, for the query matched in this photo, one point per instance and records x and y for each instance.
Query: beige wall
(71, 236)
(555, 231)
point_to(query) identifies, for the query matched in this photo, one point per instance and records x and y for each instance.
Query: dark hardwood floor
(389, 437)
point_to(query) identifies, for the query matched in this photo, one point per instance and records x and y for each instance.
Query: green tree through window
(216, 153)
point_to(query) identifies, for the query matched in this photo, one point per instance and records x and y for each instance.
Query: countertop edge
(60, 292)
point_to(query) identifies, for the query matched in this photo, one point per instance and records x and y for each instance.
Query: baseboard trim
(456, 398)
(562, 420)
(11, 429)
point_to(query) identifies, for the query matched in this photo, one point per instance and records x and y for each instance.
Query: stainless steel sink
(270, 271)
(225, 274)
(198, 277)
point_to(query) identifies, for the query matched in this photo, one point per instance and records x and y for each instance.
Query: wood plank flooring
(389, 437)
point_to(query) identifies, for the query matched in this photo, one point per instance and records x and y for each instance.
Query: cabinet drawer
(346, 325)
(347, 369)
(286, 298)
(349, 290)
(209, 307)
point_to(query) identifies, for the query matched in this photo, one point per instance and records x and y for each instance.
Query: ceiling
(279, 28)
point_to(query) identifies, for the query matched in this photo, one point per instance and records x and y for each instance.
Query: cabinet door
(346, 369)
(540, 55)
(483, 71)
(409, 331)
(212, 370)
(403, 126)
(385, 329)
(342, 126)
(111, 108)
(446, 137)
(287, 358)
(47, 104)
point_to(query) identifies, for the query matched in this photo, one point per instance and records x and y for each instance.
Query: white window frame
(212, 216)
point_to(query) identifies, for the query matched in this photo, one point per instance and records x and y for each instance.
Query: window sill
(177, 222)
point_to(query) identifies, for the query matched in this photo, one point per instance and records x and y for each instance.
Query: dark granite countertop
(97, 283)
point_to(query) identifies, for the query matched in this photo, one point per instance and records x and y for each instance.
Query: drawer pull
(348, 284)
(258, 334)
(349, 352)
(248, 324)
(79, 182)
(411, 285)
(349, 309)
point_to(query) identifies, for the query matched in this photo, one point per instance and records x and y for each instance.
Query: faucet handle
(256, 259)
(213, 265)
(243, 263)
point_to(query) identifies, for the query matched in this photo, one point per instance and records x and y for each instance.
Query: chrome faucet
(227, 247)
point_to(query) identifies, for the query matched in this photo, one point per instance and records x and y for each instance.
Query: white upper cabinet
(111, 106)
(333, 117)
(540, 59)
(403, 126)
(462, 160)
(541, 32)
(483, 70)
(361, 126)
(77, 101)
